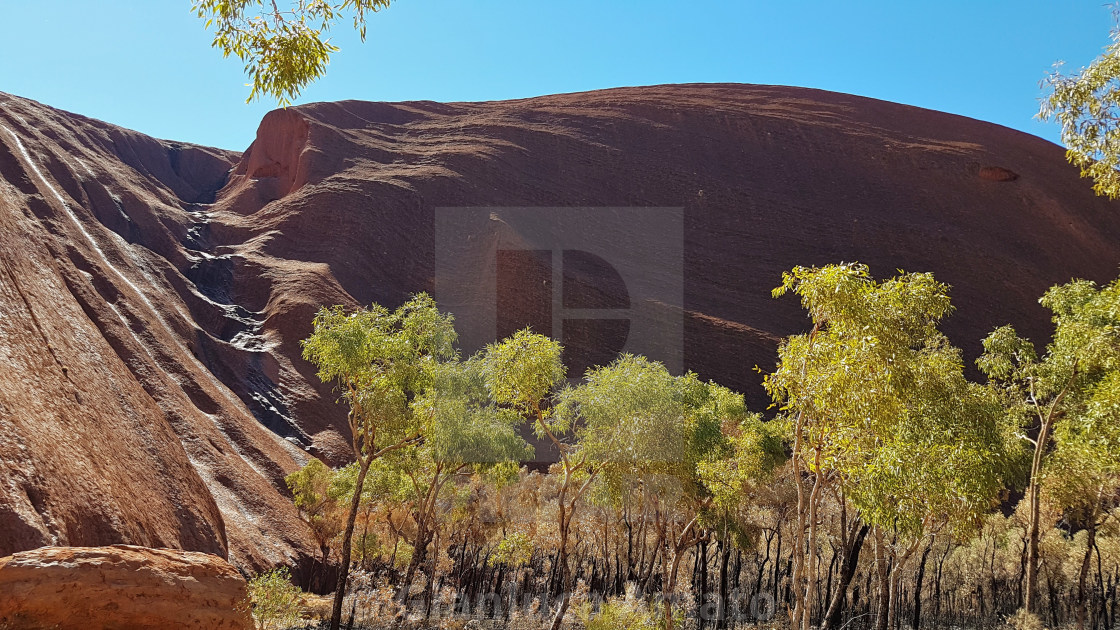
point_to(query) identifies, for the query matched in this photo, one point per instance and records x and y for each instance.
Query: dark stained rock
(998, 174)
(113, 426)
(153, 390)
(768, 177)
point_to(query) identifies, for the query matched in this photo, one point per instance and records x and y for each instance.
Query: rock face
(121, 587)
(152, 300)
(335, 203)
(115, 425)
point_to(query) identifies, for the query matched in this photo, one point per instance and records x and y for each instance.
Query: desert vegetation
(888, 486)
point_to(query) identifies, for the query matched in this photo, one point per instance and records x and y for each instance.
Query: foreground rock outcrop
(121, 587)
(153, 293)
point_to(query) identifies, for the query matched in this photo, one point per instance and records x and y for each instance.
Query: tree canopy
(383, 361)
(1068, 396)
(1086, 104)
(880, 409)
(876, 434)
(285, 46)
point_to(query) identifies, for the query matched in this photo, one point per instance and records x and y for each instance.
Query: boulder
(121, 586)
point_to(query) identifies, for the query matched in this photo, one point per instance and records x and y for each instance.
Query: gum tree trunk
(848, 565)
(347, 537)
(917, 619)
(883, 573)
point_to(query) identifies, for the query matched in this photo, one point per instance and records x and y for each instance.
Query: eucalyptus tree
(468, 433)
(633, 418)
(1087, 105)
(524, 373)
(640, 426)
(1081, 476)
(1071, 392)
(741, 477)
(382, 361)
(376, 496)
(939, 469)
(880, 413)
(318, 501)
(284, 45)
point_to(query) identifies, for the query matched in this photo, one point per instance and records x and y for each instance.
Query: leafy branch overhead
(1087, 106)
(285, 46)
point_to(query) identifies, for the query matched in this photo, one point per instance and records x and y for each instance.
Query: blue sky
(148, 64)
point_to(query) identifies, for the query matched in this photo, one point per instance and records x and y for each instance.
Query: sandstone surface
(121, 587)
(153, 293)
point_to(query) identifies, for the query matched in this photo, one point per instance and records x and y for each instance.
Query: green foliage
(881, 400)
(1082, 474)
(1076, 381)
(404, 554)
(949, 471)
(311, 486)
(514, 550)
(633, 414)
(1076, 374)
(380, 484)
(501, 474)
(1087, 329)
(464, 432)
(319, 499)
(637, 423)
(1087, 104)
(522, 372)
(286, 49)
(622, 614)
(722, 414)
(421, 418)
(275, 600)
(1004, 353)
(757, 449)
(466, 426)
(382, 360)
(1067, 400)
(1084, 347)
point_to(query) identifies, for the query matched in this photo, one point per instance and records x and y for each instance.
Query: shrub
(620, 614)
(1023, 620)
(275, 600)
(515, 550)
